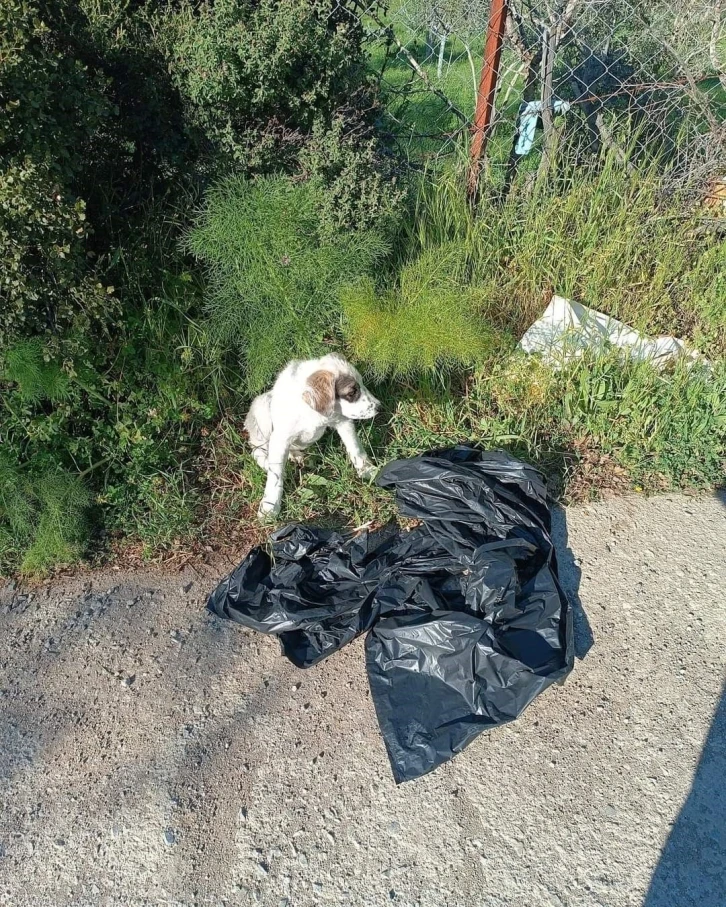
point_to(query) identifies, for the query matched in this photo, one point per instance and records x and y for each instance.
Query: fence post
(487, 91)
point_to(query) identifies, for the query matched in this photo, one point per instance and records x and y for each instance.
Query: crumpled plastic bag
(567, 329)
(467, 622)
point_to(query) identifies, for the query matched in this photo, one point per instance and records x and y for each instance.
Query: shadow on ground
(569, 576)
(692, 866)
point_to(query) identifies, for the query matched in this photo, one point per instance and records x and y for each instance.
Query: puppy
(306, 399)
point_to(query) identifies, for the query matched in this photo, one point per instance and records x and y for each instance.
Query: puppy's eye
(348, 389)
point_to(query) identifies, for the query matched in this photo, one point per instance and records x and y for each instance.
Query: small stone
(186, 588)
(129, 681)
(59, 842)
(302, 859)
(169, 837)
(296, 687)
(283, 902)
(243, 814)
(394, 828)
(317, 888)
(262, 870)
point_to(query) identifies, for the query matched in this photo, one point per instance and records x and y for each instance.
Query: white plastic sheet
(567, 329)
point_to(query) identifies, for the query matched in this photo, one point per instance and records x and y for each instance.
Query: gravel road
(152, 755)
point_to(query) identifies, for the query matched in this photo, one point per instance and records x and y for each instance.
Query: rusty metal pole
(487, 91)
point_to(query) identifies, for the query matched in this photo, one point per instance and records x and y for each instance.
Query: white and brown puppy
(306, 399)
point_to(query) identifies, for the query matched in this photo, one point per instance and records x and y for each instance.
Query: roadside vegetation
(192, 194)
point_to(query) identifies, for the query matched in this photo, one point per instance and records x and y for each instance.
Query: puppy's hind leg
(297, 455)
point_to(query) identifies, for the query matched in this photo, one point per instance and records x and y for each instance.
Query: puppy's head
(340, 389)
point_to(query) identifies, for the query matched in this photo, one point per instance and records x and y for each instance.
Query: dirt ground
(153, 755)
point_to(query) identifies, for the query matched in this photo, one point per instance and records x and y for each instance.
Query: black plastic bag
(467, 620)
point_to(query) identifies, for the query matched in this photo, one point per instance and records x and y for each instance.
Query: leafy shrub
(273, 280)
(282, 85)
(430, 321)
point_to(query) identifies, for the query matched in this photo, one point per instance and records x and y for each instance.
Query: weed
(607, 238)
(273, 280)
(429, 322)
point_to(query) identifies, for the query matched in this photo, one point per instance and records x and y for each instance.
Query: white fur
(281, 423)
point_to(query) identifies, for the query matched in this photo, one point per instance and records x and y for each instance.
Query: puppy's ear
(319, 392)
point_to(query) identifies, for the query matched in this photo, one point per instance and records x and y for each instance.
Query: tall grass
(426, 324)
(609, 238)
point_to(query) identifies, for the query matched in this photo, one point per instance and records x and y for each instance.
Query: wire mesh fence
(645, 81)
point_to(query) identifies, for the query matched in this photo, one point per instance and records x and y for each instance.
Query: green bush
(429, 322)
(273, 280)
(43, 518)
(282, 85)
(113, 116)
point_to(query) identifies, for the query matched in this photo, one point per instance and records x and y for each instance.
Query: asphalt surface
(152, 755)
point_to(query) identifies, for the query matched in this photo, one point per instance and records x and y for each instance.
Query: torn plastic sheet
(467, 622)
(567, 329)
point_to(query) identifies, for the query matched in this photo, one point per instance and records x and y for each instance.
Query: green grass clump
(661, 429)
(42, 518)
(25, 365)
(430, 322)
(273, 280)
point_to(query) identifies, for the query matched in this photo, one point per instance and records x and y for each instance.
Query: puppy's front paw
(267, 510)
(367, 470)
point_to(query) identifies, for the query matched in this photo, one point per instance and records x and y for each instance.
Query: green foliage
(429, 322)
(282, 86)
(661, 427)
(273, 280)
(113, 116)
(37, 377)
(42, 517)
(607, 238)
(114, 369)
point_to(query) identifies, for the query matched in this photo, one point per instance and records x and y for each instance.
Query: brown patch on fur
(320, 392)
(347, 388)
